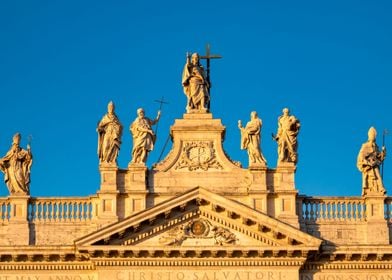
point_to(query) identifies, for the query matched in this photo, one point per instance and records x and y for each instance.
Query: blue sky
(61, 62)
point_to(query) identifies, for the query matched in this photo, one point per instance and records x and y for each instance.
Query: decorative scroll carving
(200, 229)
(198, 155)
(223, 236)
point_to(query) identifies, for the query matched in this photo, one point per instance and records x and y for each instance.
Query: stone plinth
(108, 177)
(18, 230)
(197, 159)
(377, 230)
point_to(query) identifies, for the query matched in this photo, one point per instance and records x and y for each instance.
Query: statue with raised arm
(250, 139)
(143, 136)
(368, 162)
(286, 137)
(16, 165)
(196, 86)
(109, 137)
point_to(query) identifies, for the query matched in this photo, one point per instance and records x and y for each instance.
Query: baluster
(333, 209)
(311, 213)
(305, 210)
(59, 209)
(327, 211)
(62, 211)
(91, 210)
(352, 209)
(54, 210)
(386, 211)
(1, 211)
(317, 210)
(77, 212)
(322, 210)
(49, 214)
(363, 211)
(69, 211)
(45, 211)
(358, 215)
(39, 210)
(32, 211)
(82, 210)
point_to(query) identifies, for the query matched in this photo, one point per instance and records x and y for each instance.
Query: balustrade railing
(5, 209)
(68, 209)
(332, 209)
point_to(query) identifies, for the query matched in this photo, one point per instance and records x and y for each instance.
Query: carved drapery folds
(369, 160)
(16, 165)
(286, 137)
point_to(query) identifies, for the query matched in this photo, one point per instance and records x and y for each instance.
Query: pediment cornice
(200, 203)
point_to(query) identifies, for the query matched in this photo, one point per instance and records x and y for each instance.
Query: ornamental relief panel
(198, 232)
(198, 155)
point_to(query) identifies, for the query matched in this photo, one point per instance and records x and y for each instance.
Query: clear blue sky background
(61, 62)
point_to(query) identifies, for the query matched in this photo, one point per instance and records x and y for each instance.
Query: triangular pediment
(198, 219)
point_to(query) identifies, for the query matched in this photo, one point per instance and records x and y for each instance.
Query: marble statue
(250, 139)
(286, 137)
(196, 86)
(368, 162)
(16, 165)
(109, 136)
(143, 136)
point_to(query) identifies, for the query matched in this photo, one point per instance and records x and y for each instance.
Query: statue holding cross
(196, 82)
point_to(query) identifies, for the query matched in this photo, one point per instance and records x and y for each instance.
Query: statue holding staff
(143, 136)
(16, 165)
(196, 86)
(368, 162)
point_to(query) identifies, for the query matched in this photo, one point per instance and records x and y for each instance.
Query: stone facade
(196, 215)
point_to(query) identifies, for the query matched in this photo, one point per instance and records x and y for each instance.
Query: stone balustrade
(331, 209)
(70, 209)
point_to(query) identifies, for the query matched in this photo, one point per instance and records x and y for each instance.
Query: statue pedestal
(18, 229)
(377, 227)
(108, 177)
(135, 192)
(285, 193)
(108, 194)
(137, 174)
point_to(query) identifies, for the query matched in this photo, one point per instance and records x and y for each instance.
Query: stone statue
(143, 136)
(288, 129)
(196, 86)
(368, 162)
(250, 139)
(109, 136)
(16, 165)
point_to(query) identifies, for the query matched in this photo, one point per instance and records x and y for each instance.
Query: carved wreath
(201, 229)
(198, 155)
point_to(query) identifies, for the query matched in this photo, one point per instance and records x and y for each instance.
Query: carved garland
(198, 155)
